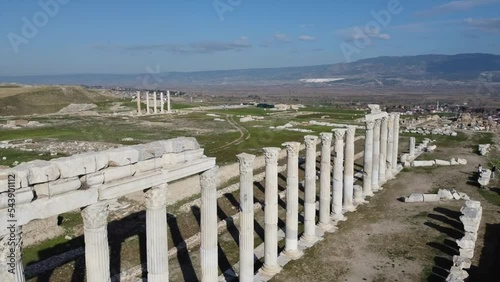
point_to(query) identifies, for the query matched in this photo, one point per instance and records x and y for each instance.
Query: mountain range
(403, 70)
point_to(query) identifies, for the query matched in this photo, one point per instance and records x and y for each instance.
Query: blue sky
(126, 36)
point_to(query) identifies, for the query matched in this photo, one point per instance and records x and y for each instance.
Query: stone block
(468, 241)
(442, 162)
(93, 179)
(40, 171)
(422, 163)
(114, 173)
(148, 165)
(20, 178)
(21, 196)
(445, 194)
(431, 197)
(467, 253)
(122, 156)
(461, 262)
(463, 196)
(473, 204)
(72, 166)
(57, 187)
(431, 148)
(454, 161)
(414, 197)
(462, 161)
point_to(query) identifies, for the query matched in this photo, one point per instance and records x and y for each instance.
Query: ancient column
(147, 102)
(156, 233)
(162, 110)
(338, 174)
(325, 221)
(390, 146)
(271, 266)
(367, 160)
(376, 155)
(309, 234)
(412, 147)
(246, 217)
(11, 263)
(396, 145)
(292, 200)
(154, 103)
(208, 247)
(383, 152)
(95, 223)
(349, 169)
(168, 101)
(139, 102)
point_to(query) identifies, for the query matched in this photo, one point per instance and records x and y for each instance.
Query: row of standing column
(329, 208)
(155, 107)
(380, 161)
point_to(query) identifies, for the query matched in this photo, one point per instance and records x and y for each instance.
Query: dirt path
(244, 135)
(387, 240)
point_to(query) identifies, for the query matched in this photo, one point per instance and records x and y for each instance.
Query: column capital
(369, 124)
(292, 148)
(326, 137)
(246, 161)
(339, 133)
(95, 216)
(385, 119)
(310, 141)
(271, 154)
(156, 197)
(377, 122)
(209, 177)
(351, 130)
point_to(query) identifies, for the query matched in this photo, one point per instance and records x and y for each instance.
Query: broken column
(246, 217)
(11, 268)
(292, 200)
(412, 147)
(376, 155)
(395, 145)
(139, 102)
(390, 146)
(349, 169)
(325, 180)
(271, 266)
(156, 233)
(309, 234)
(383, 152)
(367, 159)
(162, 110)
(154, 103)
(338, 173)
(168, 101)
(147, 102)
(95, 223)
(208, 247)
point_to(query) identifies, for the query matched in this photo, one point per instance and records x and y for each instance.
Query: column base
(270, 270)
(309, 238)
(293, 254)
(375, 188)
(338, 217)
(327, 227)
(369, 194)
(157, 277)
(349, 208)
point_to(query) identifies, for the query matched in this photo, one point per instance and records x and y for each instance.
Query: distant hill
(16, 100)
(404, 70)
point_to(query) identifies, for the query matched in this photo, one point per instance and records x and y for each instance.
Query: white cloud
(357, 32)
(307, 38)
(455, 6)
(281, 37)
(490, 25)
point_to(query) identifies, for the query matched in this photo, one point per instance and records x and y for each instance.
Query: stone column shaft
(154, 103)
(168, 102)
(376, 155)
(396, 145)
(309, 234)
(292, 200)
(349, 169)
(338, 174)
(139, 102)
(325, 221)
(208, 247)
(246, 218)
(11, 263)
(383, 151)
(271, 212)
(412, 147)
(147, 103)
(156, 233)
(390, 146)
(96, 242)
(367, 160)
(162, 110)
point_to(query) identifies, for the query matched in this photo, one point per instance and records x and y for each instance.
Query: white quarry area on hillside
(321, 80)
